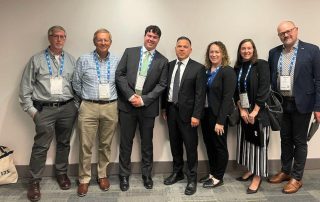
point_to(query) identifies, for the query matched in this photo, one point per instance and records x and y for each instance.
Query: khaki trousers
(96, 120)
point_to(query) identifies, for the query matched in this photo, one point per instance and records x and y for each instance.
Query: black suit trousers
(294, 148)
(216, 145)
(180, 133)
(128, 124)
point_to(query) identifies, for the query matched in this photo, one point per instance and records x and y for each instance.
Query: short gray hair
(102, 30)
(54, 28)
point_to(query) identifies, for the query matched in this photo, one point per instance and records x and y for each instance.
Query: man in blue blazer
(141, 77)
(295, 73)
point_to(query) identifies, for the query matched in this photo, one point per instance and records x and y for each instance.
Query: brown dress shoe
(279, 177)
(104, 184)
(292, 186)
(34, 191)
(63, 181)
(83, 189)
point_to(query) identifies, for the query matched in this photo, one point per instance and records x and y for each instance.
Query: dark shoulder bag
(274, 110)
(234, 117)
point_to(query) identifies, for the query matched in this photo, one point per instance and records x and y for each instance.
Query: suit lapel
(153, 62)
(135, 63)
(152, 66)
(297, 66)
(171, 68)
(186, 71)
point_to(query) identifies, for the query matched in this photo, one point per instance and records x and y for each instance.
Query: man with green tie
(141, 77)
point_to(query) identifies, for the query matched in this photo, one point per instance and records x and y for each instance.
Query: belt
(55, 104)
(100, 101)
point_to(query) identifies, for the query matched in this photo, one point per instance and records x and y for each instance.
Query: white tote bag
(8, 171)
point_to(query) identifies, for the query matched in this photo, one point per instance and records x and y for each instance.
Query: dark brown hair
(254, 56)
(154, 29)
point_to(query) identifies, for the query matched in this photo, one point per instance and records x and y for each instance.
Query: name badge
(244, 100)
(56, 85)
(285, 83)
(139, 84)
(104, 91)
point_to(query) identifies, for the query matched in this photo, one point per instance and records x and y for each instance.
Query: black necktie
(176, 85)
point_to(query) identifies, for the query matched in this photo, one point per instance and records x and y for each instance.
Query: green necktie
(145, 64)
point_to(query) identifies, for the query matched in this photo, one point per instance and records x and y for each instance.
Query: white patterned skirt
(252, 156)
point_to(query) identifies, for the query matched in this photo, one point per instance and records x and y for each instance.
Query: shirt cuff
(142, 103)
(32, 111)
(131, 98)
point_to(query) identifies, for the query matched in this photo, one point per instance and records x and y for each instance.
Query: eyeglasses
(102, 40)
(282, 34)
(57, 37)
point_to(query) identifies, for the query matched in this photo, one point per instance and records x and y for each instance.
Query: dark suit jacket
(220, 93)
(306, 88)
(259, 87)
(153, 87)
(191, 96)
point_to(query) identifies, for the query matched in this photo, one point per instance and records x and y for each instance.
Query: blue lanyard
(245, 78)
(49, 65)
(150, 60)
(98, 68)
(292, 62)
(211, 75)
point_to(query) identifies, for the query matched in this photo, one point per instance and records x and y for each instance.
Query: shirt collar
(145, 50)
(295, 46)
(100, 59)
(184, 62)
(52, 55)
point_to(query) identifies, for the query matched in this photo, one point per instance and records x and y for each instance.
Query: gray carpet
(232, 190)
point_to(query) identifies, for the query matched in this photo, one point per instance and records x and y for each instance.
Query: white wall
(23, 32)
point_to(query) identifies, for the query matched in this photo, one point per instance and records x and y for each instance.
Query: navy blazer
(154, 85)
(306, 86)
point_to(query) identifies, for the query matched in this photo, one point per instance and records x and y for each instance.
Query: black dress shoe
(241, 179)
(211, 184)
(173, 178)
(64, 181)
(124, 183)
(147, 182)
(250, 191)
(205, 178)
(191, 188)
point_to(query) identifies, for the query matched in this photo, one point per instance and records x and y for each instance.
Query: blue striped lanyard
(98, 68)
(150, 60)
(245, 78)
(212, 75)
(49, 65)
(292, 62)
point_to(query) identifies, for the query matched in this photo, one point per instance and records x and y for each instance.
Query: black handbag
(274, 110)
(234, 117)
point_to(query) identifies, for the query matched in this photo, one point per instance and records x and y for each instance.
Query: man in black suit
(141, 77)
(295, 73)
(184, 101)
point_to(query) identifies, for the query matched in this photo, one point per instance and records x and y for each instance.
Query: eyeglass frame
(57, 37)
(289, 31)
